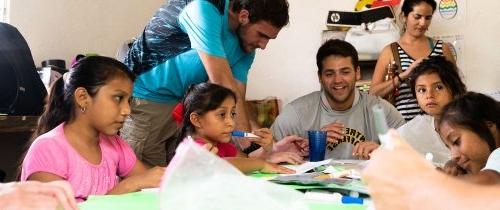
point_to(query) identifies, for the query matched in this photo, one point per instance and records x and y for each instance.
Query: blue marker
(351, 200)
(244, 134)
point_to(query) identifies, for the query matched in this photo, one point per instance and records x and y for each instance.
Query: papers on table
(346, 168)
(304, 167)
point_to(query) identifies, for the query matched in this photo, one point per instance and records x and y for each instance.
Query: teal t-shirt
(209, 32)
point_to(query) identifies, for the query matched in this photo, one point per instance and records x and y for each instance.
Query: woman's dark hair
(446, 70)
(90, 73)
(409, 4)
(473, 111)
(272, 11)
(200, 99)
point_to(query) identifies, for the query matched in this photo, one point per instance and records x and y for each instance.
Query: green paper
(150, 201)
(355, 185)
(129, 201)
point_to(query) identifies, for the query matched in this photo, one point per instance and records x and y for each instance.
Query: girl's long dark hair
(473, 111)
(200, 99)
(90, 73)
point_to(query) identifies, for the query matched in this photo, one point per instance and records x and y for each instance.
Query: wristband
(253, 146)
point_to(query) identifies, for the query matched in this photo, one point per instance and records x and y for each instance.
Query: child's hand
(211, 148)
(293, 143)
(272, 168)
(285, 157)
(405, 74)
(152, 177)
(391, 174)
(266, 139)
(452, 168)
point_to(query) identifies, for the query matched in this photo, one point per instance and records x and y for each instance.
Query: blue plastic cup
(317, 145)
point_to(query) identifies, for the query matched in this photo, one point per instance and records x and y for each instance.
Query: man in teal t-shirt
(189, 42)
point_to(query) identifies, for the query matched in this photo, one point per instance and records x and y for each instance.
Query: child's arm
(275, 157)
(241, 154)
(248, 165)
(484, 177)
(139, 178)
(265, 151)
(264, 139)
(44, 177)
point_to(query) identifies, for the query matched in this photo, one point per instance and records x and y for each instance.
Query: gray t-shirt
(493, 161)
(312, 111)
(421, 134)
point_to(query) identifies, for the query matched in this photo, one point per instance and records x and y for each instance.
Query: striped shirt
(405, 103)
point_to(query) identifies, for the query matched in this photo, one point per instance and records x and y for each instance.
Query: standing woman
(413, 46)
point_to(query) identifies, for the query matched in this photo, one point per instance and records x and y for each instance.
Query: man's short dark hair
(272, 11)
(336, 47)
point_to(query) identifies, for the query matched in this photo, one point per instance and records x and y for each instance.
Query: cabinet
(367, 68)
(15, 133)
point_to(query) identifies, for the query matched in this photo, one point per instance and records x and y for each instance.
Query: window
(4, 15)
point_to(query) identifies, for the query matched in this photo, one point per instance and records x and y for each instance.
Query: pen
(243, 134)
(429, 157)
(381, 127)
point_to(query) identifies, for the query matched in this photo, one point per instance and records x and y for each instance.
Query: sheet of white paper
(304, 167)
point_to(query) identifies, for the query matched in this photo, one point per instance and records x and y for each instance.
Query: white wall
(482, 45)
(64, 28)
(287, 68)
(61, 29)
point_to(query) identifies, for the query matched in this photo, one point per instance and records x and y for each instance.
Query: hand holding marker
(243, 134)
(382, 130)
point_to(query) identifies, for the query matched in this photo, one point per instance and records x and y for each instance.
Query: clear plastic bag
(371, 38)
(422, 136)
(199, 180)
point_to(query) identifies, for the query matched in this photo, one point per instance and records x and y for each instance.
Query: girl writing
(208, 117)
(470, 127)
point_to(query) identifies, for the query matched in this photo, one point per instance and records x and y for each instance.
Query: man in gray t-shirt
(338, 108)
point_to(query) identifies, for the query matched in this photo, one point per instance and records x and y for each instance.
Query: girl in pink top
(208, 112)
(86, 109)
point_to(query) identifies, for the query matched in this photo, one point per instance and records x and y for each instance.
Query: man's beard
(239, 34)
(338, 99)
